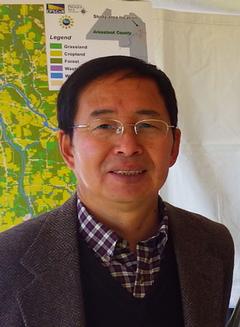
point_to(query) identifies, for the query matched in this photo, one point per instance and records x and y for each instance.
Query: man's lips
(128, 172)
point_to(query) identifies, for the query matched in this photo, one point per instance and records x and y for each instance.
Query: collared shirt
(135, 271)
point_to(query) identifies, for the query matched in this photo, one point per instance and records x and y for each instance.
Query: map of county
(33, 178)
(129, 30)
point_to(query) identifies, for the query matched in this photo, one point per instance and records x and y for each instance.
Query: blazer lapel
(53, 297)
(200, 271)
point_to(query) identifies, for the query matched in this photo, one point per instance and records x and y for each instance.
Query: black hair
(104, 66)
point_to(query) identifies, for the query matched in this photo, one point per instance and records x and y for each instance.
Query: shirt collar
(103, 240)
(99, 238)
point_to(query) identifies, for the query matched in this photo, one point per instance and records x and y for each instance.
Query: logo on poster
(55, 8)
(66, 22)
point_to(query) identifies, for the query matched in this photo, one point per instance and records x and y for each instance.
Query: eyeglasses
(105, 128)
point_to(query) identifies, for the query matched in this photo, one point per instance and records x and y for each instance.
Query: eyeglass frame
(129, 124)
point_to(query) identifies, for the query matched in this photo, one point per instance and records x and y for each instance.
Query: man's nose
(127, 143)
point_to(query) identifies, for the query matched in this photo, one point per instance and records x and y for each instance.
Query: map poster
(41, 43)
(79, 31)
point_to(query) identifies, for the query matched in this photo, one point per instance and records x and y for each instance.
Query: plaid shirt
(135, 271)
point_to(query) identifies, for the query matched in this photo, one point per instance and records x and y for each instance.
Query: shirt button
(106, 259)
(141, 280)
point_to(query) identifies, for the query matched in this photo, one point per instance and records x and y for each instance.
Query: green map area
(33, 177)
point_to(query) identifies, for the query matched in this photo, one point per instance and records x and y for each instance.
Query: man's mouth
(128, 172)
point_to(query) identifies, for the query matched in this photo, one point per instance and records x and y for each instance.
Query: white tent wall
(210, 6)
(201, 55)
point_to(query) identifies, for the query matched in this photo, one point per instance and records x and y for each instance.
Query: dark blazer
(40, 282)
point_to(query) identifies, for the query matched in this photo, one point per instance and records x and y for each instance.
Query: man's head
(103, 67)
(120, 165)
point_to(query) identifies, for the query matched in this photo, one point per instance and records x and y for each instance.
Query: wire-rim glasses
(105, 128)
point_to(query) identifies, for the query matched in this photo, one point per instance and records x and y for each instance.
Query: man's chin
(130, 196)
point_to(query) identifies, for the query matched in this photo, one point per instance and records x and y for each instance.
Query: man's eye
(104, 126)
(146, 126)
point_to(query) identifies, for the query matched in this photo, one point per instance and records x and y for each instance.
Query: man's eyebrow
(148, 112)
(99, 112)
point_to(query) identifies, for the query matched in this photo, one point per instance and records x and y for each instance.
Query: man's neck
(131, 221)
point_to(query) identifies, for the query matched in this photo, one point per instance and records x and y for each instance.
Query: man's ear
(66, 148)
(175, 147)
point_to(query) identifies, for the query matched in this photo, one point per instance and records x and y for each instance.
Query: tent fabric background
(201, 55)
(217, 6)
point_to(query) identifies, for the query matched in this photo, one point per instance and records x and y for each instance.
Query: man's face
(126, 168)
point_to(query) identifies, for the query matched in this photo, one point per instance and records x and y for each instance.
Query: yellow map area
(33, 177)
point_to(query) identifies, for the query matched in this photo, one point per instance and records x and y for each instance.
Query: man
(115, 254)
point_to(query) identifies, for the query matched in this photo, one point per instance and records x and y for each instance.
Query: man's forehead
(116, 86)
(135, 100)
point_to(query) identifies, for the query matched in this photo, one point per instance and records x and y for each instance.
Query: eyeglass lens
(108, 127)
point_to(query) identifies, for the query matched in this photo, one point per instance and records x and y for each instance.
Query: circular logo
(66, 22)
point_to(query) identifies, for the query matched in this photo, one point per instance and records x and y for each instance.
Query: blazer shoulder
(15, 241)
(202, 228)
(24, 233)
